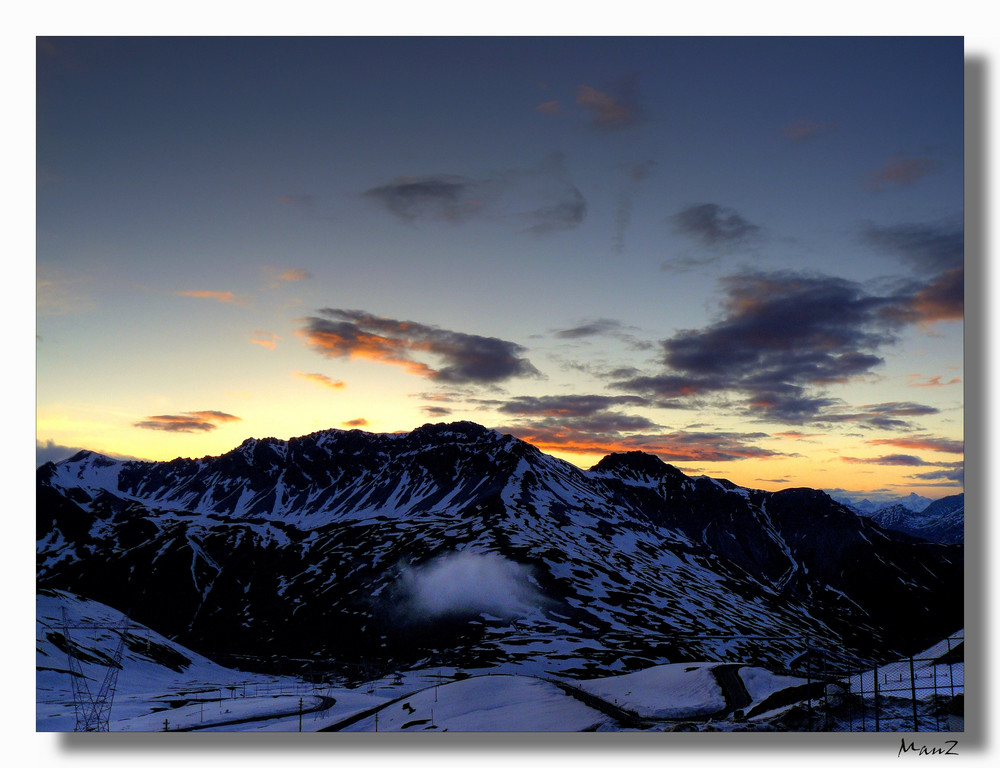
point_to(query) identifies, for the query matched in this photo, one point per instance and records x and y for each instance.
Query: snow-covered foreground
(487, 703)
(164, 686)
(662, 692)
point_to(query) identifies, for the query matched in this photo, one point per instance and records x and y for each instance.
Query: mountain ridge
(268, 548)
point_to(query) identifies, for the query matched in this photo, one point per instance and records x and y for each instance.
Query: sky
(743, 255)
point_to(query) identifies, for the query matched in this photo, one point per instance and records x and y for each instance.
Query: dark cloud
(460, 357)
(930, 248)
(452, 198)
(782, 338)
(614, 109)
(892, 460)
(885, 416)
(567, 212)
(599, 327)
(437, 411)
(714, 225)
(543, 195)
(940, 299)
(900, 171)
(356, 423)
(594, 424)
(956, 475)
(191, 421)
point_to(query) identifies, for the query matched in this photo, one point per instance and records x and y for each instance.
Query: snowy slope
(326, 547)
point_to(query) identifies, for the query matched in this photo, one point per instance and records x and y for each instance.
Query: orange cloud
(606, 110)
(319, 378)
(923, 443)
(265, 339)
(226, 297)
(368, 346)
(675, 446)
(934, 381)
(356, 423)
(795, 435)
(464, 357)
(293, 275)
(190, 421)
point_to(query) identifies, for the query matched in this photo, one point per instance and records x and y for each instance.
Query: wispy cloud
(60, 293)
(294, 275)
(320, 379)
(918, 380)
(354, 423)
(616, 108)
(922, 443)
(458, 357)
(226, 297)
(567, 212)
(542, 195)
(190, 421)
(900, 171)
(805, 129)
(549, 107)
(892, 460)
(635, 173)
(265, 339)
(446, 197)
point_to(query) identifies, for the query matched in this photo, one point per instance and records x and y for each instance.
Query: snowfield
(663, 692)
(487, 703)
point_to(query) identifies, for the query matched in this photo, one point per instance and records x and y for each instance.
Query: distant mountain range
(460, 543)
(942, 521)
(867, 506)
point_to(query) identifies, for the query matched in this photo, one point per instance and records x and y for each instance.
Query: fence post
(861, 696)
(913, 695)
(875, 692)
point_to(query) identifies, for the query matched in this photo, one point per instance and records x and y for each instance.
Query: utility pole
(300, 715)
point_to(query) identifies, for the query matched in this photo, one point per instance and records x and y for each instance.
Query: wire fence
(916, 693)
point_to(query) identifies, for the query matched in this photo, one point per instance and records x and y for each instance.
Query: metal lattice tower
(93, 713)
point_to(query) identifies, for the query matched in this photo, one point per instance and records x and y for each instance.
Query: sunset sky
(742, 255)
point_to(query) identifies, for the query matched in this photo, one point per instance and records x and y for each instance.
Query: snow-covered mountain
(942, 521)
(460, 543)
(865, 506)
